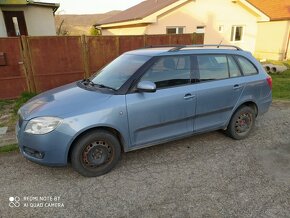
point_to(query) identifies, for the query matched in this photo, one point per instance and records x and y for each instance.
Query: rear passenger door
(218, 90)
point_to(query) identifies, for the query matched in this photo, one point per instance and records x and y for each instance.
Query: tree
(94, 31)
(61, 27)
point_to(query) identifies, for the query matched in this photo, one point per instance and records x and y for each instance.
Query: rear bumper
(265, 105)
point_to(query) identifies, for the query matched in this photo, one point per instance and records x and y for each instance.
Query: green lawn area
(281, 82)
(9, 148)
(9, 108)
(281, 85)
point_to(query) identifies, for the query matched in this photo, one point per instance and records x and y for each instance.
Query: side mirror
(146, 86)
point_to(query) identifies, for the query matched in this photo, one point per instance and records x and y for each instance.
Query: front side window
(247, 67)
(237, 33)
(212, 67)
(169, 71)
(116, 73)
(175, 30)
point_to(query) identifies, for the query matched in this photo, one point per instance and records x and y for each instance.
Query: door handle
(237, 86)
(188, 96)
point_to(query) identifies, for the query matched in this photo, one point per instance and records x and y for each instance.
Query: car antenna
(220, 44)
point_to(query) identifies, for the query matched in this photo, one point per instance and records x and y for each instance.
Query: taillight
(269, 80)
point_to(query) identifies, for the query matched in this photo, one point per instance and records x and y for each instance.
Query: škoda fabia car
(144, 97)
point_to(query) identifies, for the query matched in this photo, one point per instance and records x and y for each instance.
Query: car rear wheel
(242, 122)
(96, 153)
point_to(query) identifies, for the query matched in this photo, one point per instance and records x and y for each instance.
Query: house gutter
(9, 3)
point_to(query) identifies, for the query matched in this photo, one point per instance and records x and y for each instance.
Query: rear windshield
(116, 73)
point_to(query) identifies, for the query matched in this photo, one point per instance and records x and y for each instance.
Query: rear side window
(212, 67)
(169, 71)
(247, 67)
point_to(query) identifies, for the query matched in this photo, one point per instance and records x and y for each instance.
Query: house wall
(208, 13)
(272, 40)
(39, 20)
(288, 50)
(211, 14)
(3, 32)
(125, 31)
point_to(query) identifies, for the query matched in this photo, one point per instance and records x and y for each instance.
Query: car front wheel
(95, 153)
(242, 122)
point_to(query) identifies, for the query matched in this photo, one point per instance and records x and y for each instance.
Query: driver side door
(167, 113)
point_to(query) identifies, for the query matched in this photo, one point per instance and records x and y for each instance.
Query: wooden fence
(36, 64)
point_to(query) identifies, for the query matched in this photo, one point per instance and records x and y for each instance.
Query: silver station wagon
(143, 98)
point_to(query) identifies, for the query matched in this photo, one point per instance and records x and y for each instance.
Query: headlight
(42, 125)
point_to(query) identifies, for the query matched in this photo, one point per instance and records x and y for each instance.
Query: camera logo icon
(14, 201)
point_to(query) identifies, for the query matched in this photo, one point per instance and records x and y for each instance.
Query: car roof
(150, 51)
(187, 50)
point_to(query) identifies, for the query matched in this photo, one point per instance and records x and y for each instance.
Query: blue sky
(92, 6)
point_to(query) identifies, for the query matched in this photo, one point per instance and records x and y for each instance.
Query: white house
(26, 17)
(234, 22)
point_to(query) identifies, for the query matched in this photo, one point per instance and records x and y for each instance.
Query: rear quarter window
(248, 67)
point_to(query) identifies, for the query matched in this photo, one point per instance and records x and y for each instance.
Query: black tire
(95, 153)
(241, 123)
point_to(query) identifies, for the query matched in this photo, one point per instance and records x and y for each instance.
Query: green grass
(25, 96)
(8, 115)
(10, 107)
(9, 148)
(286, 63)
(3, 103)
(281, 82)
(281, 85)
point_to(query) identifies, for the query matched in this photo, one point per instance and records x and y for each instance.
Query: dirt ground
(208, 175)
(7, 119)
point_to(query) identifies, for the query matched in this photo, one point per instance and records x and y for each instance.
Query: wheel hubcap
(96, 154)
(243, 123)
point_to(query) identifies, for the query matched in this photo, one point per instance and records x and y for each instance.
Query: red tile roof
(275, 9)
(139, 11)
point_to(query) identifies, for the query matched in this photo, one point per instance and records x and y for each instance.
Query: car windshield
(116, 73)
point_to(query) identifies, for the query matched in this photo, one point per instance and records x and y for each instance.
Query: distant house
(237, 22)
(273, 38)
(26, 17)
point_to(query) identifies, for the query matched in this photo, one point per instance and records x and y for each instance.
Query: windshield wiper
(104, 86)
(87, 82)
(91, 83)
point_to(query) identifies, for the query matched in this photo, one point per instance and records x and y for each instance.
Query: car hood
(68, 100)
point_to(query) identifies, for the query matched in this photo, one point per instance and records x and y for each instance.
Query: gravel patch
(208, 175)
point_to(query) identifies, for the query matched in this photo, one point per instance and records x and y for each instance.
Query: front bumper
(49, 149)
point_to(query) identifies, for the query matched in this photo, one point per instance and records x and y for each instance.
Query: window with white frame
(200, 29)
(237, 33)
(175, 30)
(221, 28)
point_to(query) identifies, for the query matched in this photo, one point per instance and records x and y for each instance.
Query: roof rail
(179, 47)
(163, 46)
